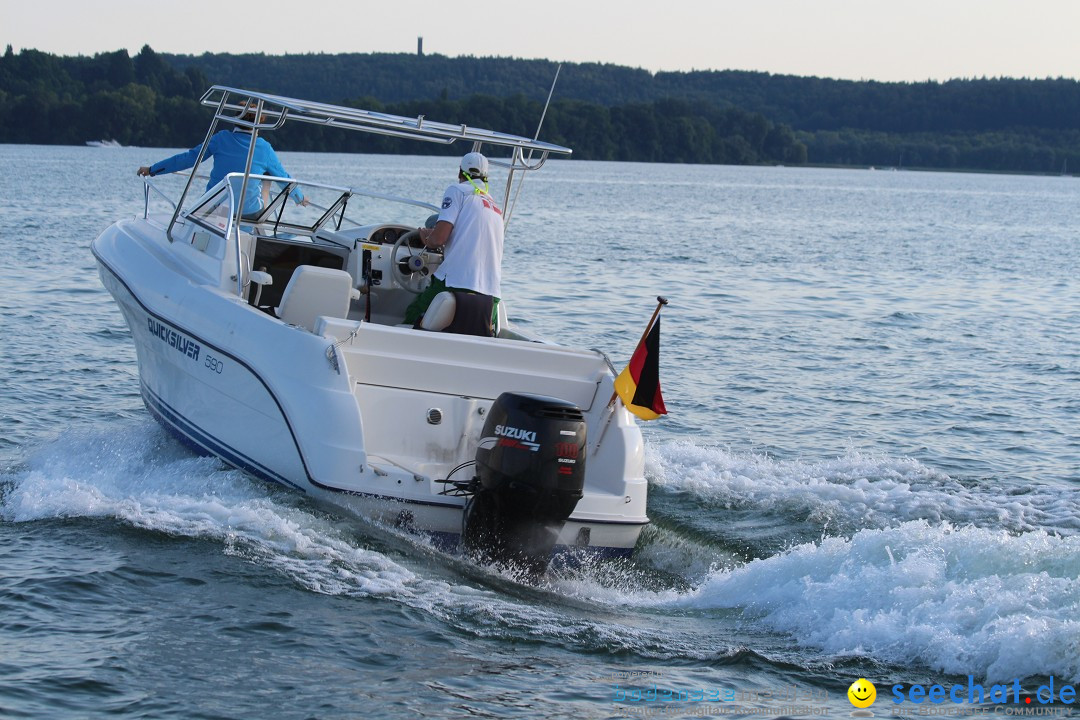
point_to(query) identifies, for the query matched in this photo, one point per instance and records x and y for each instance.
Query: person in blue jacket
(229, 148)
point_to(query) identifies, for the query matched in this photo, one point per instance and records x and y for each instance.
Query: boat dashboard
(387, 235)
(388, 264)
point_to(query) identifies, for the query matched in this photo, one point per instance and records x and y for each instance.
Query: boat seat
(316, 291)
(440, 312)
(462, 313)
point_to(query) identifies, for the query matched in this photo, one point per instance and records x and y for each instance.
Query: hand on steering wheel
(410, 273)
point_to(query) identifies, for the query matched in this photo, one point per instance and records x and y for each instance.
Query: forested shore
(604, 112)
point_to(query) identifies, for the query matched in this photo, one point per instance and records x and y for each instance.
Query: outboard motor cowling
(531, 470)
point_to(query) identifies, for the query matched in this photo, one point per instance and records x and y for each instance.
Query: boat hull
(291, 416)
(204, 395)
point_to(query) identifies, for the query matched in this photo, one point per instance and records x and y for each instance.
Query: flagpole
(661, 301)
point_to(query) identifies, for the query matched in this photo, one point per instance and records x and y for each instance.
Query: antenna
(511, 205)
(544, 114)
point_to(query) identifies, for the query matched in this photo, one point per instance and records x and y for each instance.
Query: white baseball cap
(475, 164)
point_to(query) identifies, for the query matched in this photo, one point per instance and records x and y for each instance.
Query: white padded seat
(313, 292)
(440, 312)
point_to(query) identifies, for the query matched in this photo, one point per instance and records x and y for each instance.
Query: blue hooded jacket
(229, 148)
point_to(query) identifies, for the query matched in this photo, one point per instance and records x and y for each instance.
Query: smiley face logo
(862, 693)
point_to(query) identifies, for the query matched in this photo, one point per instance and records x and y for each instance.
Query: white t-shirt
(473, 255)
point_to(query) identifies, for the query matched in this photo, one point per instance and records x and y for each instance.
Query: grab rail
(148, 185)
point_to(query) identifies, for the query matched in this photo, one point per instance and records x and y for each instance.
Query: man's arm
(436, 236)
(179, 161)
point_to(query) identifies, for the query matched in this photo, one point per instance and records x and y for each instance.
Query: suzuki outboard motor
(531, 471)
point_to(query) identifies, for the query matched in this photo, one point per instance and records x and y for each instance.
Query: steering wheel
(411, 273)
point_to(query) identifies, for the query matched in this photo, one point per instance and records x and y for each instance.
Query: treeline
(51, 100)
(999, 124)
(812, 104)
(804, 103)
(672, 131)
(145, 101)
(602, 111)
(398, 77)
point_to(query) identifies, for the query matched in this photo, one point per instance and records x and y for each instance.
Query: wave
(911, 566)
(977, 600)
(959, 600)
(141, 477)
(857, 490)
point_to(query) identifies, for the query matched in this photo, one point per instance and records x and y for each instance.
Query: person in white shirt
(470, 231)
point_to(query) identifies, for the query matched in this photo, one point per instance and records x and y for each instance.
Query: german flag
(638, 386)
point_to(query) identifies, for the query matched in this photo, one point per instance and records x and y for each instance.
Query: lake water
(871, 466)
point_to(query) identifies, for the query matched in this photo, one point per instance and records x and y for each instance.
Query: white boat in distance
(276, 342)
(103, 143)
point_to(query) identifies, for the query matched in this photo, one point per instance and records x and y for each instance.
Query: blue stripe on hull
(162, 412)
(191, 436)
(204, 443)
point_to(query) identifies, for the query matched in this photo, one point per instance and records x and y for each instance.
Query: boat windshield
(286, 206)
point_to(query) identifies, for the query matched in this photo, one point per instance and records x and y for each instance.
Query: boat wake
(957, 600)
(952, 593)
(911, 566)
(142, 477)
(857, 491)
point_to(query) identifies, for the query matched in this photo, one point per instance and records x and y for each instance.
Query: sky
(893, 40)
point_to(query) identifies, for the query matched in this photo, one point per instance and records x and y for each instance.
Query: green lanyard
(477, 190)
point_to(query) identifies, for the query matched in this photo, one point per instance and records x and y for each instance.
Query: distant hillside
(147, 101)
(604, 112)
(980, 124)
(804, 103)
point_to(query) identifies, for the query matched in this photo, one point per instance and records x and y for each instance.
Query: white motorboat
(103, 143)
(276, 342)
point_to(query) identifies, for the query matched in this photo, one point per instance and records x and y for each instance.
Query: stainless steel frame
(273, 111)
